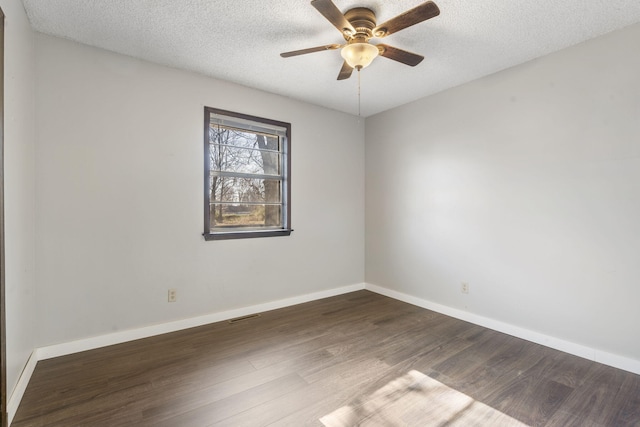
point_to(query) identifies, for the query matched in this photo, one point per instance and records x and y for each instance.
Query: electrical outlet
(464, 287)
(173, 295)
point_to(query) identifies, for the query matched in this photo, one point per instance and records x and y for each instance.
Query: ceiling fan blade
(399, 55)
(345, 71)
(333, 15)
(310, 50)
(411, 17)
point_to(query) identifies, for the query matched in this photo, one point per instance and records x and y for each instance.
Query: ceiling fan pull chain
(359, 115)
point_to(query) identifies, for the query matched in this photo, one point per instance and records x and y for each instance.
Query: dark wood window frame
(284, 229)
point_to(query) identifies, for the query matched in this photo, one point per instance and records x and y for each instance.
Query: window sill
(246, 234)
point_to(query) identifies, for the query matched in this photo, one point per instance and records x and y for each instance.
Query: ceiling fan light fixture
(359, 54)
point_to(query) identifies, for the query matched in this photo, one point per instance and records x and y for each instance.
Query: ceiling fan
(358, 26)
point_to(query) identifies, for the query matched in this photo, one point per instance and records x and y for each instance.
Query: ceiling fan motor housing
(363, 20)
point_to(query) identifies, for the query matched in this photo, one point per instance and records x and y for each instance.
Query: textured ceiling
(240, 40)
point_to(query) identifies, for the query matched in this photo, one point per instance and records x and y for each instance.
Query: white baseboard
(16, 396)
(63, 349)
(616, 361)
(177, 325)
(596, 355)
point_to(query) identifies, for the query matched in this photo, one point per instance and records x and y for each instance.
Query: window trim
(244, 234)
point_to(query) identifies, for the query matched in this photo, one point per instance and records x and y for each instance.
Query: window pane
(243, 138)
(243, 160)
(245, 190)
(238, 215)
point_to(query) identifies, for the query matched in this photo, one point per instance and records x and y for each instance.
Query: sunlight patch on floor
(415, 399)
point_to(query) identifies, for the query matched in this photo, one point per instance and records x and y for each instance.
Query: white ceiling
(240, 40)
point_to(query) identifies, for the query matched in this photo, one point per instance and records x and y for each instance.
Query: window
(247, 176)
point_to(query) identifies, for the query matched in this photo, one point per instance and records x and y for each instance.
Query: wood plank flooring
(292, 366)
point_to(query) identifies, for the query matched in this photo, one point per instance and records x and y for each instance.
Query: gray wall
(120, 197)
(526, 185)
(19, 186)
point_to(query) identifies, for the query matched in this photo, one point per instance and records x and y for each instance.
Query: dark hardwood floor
(292, 366)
